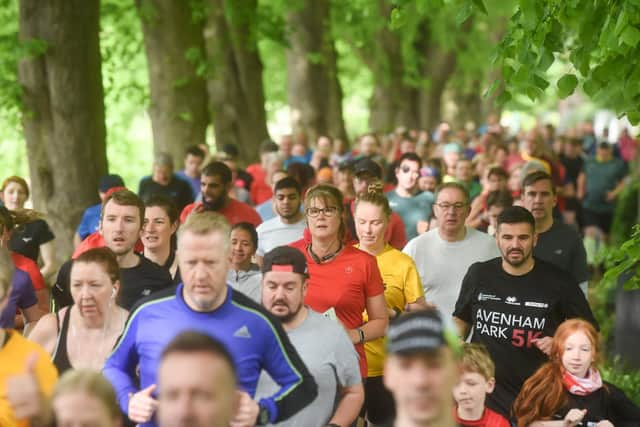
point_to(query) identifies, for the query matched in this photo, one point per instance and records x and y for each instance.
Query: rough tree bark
(175, 48)
(236, 94)
(63, 116)
(314, 91)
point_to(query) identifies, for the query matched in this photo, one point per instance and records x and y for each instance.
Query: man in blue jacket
(205, 303)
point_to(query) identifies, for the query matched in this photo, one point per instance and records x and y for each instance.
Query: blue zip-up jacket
(255, 339)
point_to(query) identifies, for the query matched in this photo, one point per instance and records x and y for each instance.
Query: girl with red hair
(568, 391)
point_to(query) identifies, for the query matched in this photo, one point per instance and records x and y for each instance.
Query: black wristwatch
(263, 416)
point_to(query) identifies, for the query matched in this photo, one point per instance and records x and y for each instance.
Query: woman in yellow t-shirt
(403, 292)
(24, 365)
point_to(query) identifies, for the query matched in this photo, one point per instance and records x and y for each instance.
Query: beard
(293, 213)
(213, 205)
(290, 315)
(525, 257)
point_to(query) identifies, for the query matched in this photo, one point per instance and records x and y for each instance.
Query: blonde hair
(376, 197)
(476, 359)
(201, 223)
(91, 383)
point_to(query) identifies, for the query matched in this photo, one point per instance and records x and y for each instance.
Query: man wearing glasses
(413, 206)
(444, 254)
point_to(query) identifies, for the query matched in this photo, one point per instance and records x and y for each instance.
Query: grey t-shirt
(562, 246)
(274, 233)
(442, 265)
(331, 358)
(248, 282)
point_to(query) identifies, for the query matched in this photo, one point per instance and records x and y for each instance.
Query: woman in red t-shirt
(343, 280)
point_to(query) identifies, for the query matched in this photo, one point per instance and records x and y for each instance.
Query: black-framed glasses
(329, 211)
(455, 206)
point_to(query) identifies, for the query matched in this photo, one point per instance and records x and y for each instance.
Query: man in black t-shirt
(164, 181)
(558, 243)
(514, 305)
(120, 227)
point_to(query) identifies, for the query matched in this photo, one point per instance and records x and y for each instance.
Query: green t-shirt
(411, 209)
(601, 178)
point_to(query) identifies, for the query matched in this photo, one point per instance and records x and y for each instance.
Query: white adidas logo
(243, 332)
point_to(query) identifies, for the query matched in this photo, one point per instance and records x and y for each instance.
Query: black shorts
(378, 402)
(596, 219)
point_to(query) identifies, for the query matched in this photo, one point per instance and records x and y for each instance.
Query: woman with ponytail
(568, 390)
(403, 292)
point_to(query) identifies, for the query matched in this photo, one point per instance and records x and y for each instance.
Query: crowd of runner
(413, 279)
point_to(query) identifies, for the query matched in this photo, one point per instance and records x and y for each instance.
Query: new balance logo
(243, 332)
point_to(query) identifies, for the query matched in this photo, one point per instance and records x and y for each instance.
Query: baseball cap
(419, 332)
(367, 165)
(110, 181)
(285, 258)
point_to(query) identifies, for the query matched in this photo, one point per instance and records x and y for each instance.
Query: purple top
(21, 296)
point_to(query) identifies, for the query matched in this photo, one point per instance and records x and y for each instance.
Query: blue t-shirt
(90, 221)
(411, 209)
(254, 338)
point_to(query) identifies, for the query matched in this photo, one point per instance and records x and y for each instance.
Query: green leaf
(630, 36)
(464, 13)
(534, 93)
(480, 5)
(634, 117)
(503, 98)
(540, 82)
(546, 59)
(591, 87)
(566, 85)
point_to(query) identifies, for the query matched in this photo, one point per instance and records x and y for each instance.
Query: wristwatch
(263, 416)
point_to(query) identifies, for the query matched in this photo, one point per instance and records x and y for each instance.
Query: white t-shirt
(274, 233)
(327, 351)
(442, 265)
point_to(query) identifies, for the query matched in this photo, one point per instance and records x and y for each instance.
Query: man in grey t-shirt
(443, 255)
(322, 344)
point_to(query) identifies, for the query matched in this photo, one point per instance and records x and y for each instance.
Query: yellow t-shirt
(402, 286)
(13, 361)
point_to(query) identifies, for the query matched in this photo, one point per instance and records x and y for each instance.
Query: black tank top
(60, 355)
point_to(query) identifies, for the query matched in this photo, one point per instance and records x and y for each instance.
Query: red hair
(543, 394)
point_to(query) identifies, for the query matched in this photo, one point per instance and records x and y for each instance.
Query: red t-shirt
(235, 212)
(489, 419)
(30, 267)
(343, 283)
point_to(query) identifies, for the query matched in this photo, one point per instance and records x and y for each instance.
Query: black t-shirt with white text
(507, 313)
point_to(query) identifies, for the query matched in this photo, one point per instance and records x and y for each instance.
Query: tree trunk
(236, 94)
(390, 104)
(314, 91)
(63, 116)
(438, 66)
(175, 50)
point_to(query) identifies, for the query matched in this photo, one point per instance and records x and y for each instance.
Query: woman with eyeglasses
(344, 281)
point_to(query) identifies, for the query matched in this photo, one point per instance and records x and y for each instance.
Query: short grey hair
(202, 223)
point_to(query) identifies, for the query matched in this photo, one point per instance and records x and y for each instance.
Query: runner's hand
(142, 405)
(574, 417)
(604, 423)
(544, 344)
(247, 412)
(23, 392)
